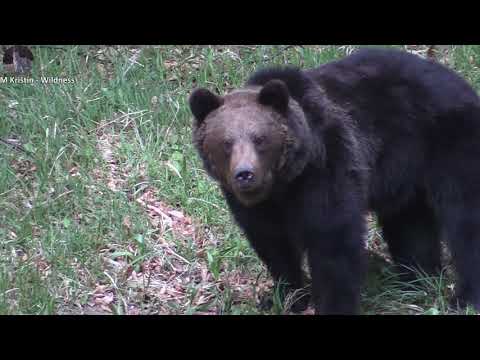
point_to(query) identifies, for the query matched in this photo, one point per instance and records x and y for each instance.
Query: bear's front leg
(266, 232)
(283, 262)
(337, 263)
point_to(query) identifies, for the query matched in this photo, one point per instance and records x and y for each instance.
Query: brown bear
(302, 155)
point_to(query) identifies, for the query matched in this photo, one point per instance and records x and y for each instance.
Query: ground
(105, 208)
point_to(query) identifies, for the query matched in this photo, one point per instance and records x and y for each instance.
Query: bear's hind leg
(413, 239)
(462, 226)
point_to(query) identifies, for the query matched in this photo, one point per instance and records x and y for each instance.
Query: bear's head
(251, 139)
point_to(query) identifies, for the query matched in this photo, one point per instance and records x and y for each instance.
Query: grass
(108, 210)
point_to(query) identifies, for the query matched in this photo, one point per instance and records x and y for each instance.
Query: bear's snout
(244, 177)
(245, 173)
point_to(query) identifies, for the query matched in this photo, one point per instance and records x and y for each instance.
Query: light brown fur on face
(256, 129)
(242, 133)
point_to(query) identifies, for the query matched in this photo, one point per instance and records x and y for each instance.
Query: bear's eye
(259, 140)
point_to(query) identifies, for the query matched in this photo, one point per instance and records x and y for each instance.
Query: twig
(51, 47)
(285, 48)
(169, 249)
(15, 146)
(141, 112)
(58, 197)
(209, 203)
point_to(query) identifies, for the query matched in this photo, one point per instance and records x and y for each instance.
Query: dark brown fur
(380, 130)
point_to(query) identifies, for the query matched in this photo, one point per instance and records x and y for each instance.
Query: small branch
(18, 147)
(50, 47)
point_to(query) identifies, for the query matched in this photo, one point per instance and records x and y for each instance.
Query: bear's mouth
(252, 197)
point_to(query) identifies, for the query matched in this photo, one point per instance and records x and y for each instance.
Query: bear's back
(376, 76)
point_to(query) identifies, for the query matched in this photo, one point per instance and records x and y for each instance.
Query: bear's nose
(244, 177)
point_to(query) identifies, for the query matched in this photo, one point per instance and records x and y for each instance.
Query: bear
(303, 155)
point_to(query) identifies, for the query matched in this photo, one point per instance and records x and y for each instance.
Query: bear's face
(242, 137)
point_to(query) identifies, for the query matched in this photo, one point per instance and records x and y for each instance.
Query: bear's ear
(202, 102)
(275, 94)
